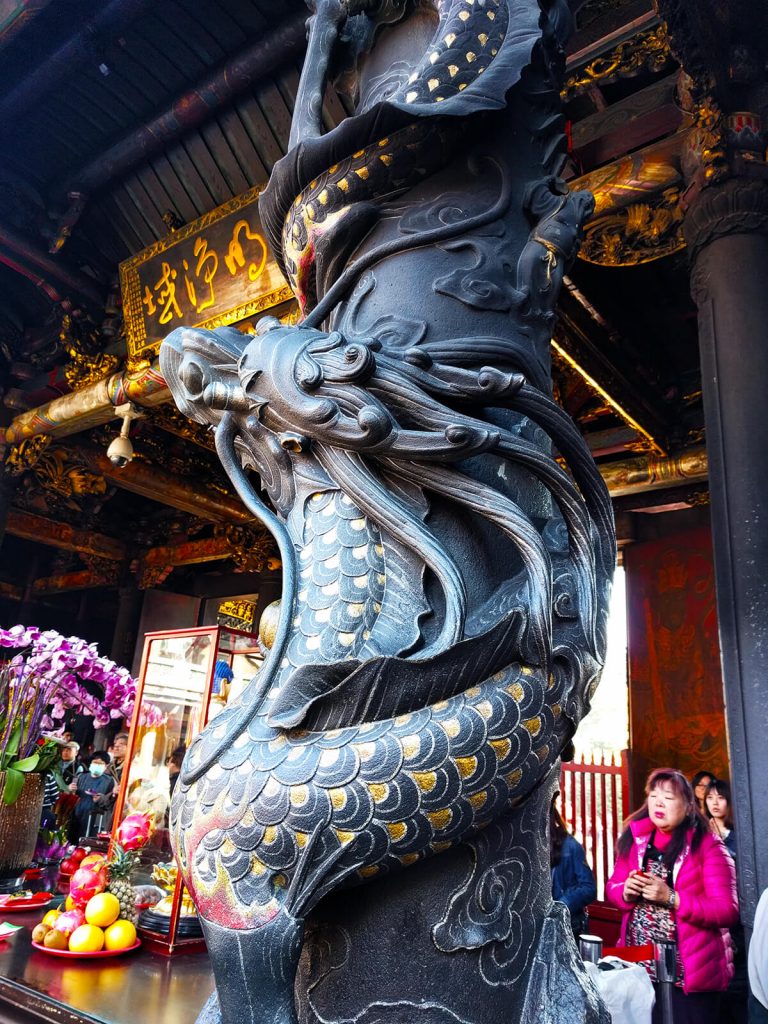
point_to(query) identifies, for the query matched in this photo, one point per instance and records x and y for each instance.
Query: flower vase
(19, 823)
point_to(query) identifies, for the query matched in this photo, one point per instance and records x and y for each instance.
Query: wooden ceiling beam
(197, 105)
(81, 580)
(29, 526)
(33, 260)
(609, 442)
(641, 131)
(109, 20)
(617, 117)
(90, 406)
(9, 590)
(190, 552)
(140, 478)
(17, 15)
(585, 340)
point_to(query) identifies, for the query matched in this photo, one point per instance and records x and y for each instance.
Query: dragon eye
(193, 377)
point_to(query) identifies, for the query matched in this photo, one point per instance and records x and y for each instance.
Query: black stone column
(727, 234)
(129, 603)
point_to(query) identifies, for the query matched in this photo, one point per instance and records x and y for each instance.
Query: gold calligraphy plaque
(214, 271)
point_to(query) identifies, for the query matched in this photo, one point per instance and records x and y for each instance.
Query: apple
(79, 853)
(68, 866)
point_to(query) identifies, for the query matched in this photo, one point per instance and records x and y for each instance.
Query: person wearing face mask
(94, 790)
(674, 879)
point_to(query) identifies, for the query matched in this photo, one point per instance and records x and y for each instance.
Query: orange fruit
(120, 935)
(50, 917)
(102, 909)
(86, 939)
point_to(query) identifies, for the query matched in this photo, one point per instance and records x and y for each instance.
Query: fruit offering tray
(69, 954)
(17, 903)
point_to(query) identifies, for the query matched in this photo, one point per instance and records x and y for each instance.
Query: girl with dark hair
(700, 783)
(572, 880)
(718, 803)
(673, 879)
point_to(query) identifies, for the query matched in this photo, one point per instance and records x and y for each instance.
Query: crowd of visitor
(675, 878)
(92, 780)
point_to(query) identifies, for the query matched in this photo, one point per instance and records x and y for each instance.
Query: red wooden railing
(594, 800)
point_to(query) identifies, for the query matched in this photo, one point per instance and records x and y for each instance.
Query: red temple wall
(676, 706)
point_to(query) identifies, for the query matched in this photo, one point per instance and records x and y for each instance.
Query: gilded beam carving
(638, 215)
(722, 50)
(239, 614)
(63, 473)
(251, 550)
(651, 473)
(63, 536)
(25, 454)
(639, 233)
(648, 50)
(87, 364)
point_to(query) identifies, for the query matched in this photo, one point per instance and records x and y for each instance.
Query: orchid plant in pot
(44, 676)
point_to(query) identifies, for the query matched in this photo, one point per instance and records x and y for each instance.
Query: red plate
(40, 899)
(102, 952)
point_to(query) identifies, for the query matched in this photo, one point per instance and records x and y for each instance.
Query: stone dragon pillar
(365, 831)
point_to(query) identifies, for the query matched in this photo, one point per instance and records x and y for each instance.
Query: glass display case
(187, 677)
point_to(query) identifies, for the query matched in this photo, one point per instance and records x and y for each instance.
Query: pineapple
(119, 870)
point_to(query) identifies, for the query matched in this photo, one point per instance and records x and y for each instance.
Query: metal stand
(665, 953)
(590, 948)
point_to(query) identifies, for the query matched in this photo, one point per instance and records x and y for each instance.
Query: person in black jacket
(572, 880)
(733, 1009)
(94, 789)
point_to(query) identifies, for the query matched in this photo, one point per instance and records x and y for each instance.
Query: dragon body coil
(446, 539)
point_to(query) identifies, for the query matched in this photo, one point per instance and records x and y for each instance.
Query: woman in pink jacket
(673, 879)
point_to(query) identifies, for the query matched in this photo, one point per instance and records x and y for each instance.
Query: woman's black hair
(722, 788)
(176, 756)
(697, 779)
(693, 820)
(701, 775)
(557, 833)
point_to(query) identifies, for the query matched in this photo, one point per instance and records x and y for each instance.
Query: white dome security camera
(120, 451)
